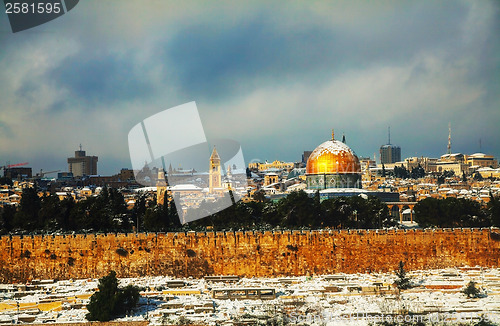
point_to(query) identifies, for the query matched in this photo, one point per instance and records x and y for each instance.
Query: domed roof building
(333, 165)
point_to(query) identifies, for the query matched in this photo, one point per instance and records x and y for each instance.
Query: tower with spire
(161, 187)
(449, 139)
(389, 153)
(215, 178)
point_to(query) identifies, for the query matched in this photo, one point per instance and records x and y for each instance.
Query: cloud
(357, 102)
(101, 77)
(213, 60)
(277, 78)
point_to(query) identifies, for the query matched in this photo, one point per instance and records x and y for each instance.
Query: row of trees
(415, 173)
(403, 173)
(107, 212)
(457, 212)
(298, 210)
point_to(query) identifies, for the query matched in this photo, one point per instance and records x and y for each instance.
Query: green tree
(471, 291)
(154, 218)
(139, 211)
(403, 282)
(172, 215)
(6, 181)
(369, 213)
(450, 212)
(259, 196)
(402, 172)
(440, 179)
(270, 214)
(64, 219)
(298, 209)
(336, 212)
(105, 212)
(26, 217)
(111, 301)
(494, 210)
(49, 212)
(7, 214)
(417, 172)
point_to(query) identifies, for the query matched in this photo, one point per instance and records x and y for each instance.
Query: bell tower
(215, 180)
(161, 187)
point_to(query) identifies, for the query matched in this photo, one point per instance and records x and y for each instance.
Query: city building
(305, 156)
(367, 163)
(452, 162)
(276, 165)
(82, 165)
(270, 178)
(18, 173)
(478, 160)
(488, 172)
(427, 163)
(390, 153)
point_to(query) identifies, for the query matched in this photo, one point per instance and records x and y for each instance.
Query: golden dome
(332, 157)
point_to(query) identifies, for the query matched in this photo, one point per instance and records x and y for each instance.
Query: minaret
(215, 180)
(333, 135)
(449, 138)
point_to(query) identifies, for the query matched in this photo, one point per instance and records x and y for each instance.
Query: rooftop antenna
(389, 134)
(449, 138)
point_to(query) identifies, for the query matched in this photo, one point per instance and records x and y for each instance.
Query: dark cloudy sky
(276, 76)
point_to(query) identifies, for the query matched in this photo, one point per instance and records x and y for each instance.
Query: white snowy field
(340, 299)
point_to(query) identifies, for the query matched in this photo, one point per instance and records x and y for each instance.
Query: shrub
(122, 252)
(111, 301)
(403, 282)
(471, 291)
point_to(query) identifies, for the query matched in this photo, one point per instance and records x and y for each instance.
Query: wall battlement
(249, 253)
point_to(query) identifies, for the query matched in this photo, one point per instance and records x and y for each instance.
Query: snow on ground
(340, 299)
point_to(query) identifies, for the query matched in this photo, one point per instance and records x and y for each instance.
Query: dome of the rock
(333, 156)
(333, 165)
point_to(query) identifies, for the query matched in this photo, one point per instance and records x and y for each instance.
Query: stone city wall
(98, 323)
(262, 254)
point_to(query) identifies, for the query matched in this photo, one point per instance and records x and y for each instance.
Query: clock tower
(215, 180)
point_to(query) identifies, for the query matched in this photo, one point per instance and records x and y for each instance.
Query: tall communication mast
(449, 138)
